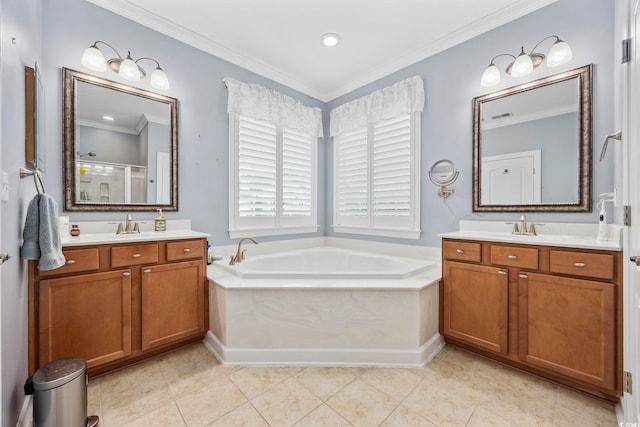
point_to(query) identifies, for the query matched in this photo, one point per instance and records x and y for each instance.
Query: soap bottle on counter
(160, 222)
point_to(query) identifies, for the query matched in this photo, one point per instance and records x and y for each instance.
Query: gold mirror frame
(584, 204)
(71, 79)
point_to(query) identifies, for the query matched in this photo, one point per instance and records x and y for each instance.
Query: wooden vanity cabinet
(115, 304)
(555, 312)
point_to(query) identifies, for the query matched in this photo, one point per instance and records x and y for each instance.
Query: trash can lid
(58, 372)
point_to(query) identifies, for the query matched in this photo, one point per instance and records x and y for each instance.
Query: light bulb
(159, 79)
(559, 54)
(491, 76)
(129, 69)
(93, 59)
(522, 65)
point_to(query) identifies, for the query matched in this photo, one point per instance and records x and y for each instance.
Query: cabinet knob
(135, 256)
(502, 273)
(512, 257)
(126, 273)
(71, 261)
(460, 251)
(146, 271)
(579, 264)
(523, 276)
(186, 250)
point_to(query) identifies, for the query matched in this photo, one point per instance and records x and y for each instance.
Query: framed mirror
(120, 146)
(532, 146)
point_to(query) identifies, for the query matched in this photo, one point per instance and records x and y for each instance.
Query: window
(273, 179)
(377, 179)
(377, 162)
(272, 162)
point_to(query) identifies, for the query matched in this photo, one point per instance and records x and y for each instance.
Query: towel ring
(36, 178)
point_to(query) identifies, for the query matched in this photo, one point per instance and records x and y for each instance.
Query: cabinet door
(568, 326)
(87, 316)
(172, 302)
(476, 305)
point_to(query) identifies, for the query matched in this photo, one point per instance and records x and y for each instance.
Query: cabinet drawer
(600, 266)
(187, 249)
(78, 260)
(463, 251)
(514, 257)
(122, 256)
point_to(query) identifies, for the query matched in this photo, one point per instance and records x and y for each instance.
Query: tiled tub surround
(325, 320)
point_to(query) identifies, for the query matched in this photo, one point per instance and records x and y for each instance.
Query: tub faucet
(239, 256)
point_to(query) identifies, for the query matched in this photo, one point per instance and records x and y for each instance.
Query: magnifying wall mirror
(120, 146)
(443, 173)
(532, 146)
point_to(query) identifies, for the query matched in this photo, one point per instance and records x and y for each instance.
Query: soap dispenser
(160, 222)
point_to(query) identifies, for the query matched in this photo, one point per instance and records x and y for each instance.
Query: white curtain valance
(406, 96)
(260, 103)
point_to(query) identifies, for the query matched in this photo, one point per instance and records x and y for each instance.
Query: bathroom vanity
(119, 299)
(550, 305)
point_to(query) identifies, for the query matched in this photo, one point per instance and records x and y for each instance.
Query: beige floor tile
(165, 416)
(518, 406)
(405, 417)
(361, 404)
(204, 406)
(586, 406)
(189, 377)
(243, 416)
(286, 403)
(323, 416)
(254, 381)
(483, 418)
(325, 382)
(139, 400)
(567, 418)
(293, 370)
(146, 372)
(189, 354)
(439, 406)
(395, 382)
(469, 384)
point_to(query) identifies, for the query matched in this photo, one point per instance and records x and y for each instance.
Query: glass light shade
(559, 54)
(129, 70)
(491, 76)
(93, 59)
(159, 79)
(522, 65)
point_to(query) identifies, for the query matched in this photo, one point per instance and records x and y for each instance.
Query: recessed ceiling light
(108, 118)
(330, 39)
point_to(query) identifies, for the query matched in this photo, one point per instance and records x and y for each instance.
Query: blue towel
(41, 235)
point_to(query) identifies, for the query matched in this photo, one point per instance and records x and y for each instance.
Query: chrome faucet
(239, 256)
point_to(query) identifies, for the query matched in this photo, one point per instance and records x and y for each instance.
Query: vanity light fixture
(127, 68)
(559, 54)
(330, 39)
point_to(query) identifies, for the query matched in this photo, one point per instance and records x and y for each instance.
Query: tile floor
(189, 387)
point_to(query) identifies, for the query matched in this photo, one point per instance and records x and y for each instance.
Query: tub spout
(239, 256)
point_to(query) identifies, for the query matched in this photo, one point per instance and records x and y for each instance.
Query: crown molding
(149, 19)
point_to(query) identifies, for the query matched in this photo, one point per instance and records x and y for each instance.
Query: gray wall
(110, 146)
(557, 139)
(70, 26)
(452, 80)
(19, 19)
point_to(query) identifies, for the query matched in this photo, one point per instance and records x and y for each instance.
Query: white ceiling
(280, 39)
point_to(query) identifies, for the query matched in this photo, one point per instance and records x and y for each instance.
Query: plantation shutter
(392, 167)
(257, 169)
(352, 163)
(297, 160)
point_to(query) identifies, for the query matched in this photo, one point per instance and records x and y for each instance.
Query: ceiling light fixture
(127, 68)
(109, 118)
(330, 39)
(559, 54)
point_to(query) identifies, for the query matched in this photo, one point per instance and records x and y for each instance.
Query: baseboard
(26, 414)
(325, 357)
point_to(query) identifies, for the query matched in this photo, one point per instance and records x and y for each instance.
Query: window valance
(406, 96)
(260, 103)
